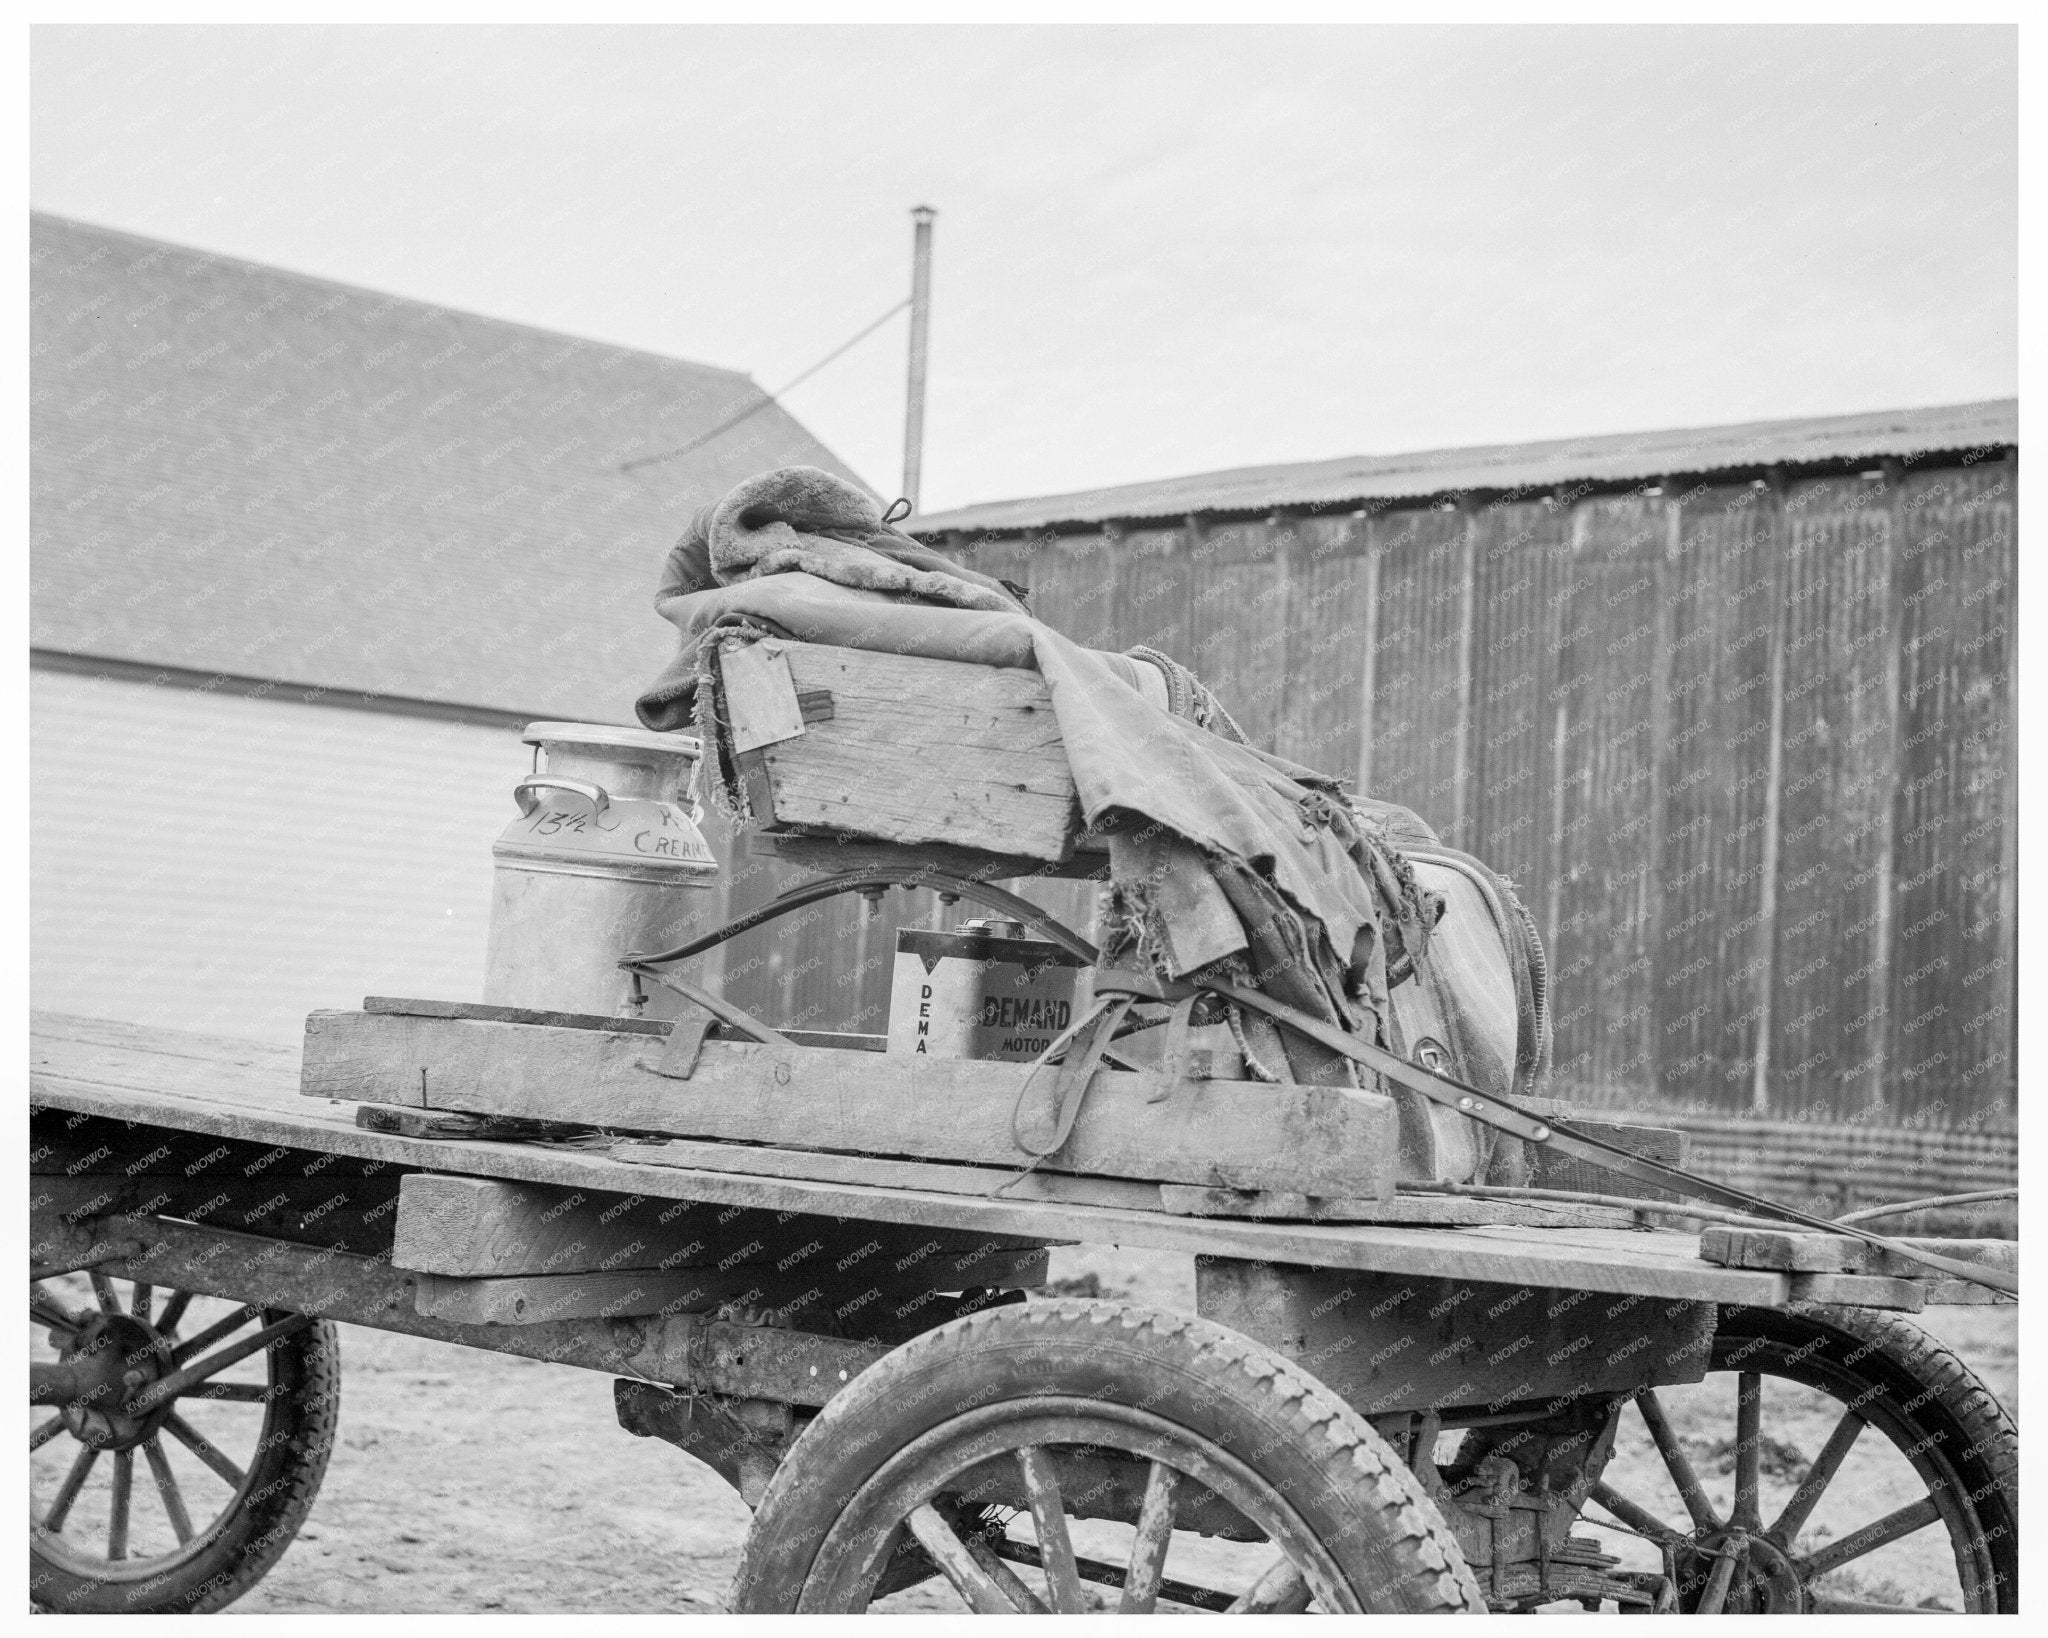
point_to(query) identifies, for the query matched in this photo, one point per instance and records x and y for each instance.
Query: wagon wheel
(231, 1410)
(1835, 1440)
(1074, 1455)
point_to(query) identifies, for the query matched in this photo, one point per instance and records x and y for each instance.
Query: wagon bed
(1296, 1415)
(229, 1088)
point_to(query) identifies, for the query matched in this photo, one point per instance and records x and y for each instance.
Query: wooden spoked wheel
(1834, 1461)
(176, 1443)
(1075, 1456)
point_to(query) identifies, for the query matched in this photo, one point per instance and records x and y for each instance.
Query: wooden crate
(898, 748)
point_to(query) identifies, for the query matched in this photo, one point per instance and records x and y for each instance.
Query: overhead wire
(766, 399)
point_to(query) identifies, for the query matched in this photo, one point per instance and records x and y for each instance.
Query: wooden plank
(830, 855)
(540, 1299)
(1788, 1250)
(1556, 1171)
(1386, 1345)
(1417, 627)
(1319, 1140)
(352, 1213)
(682, 1350)
(1963, 1293)
(760, 696)
(411, 1007)
(1655, 1264)
(1794, 1252)
(1838, 799)
(1436, 1210)
(921, 751)
(1607, 885)
(1954, 961)
(753, 1160)
(443, 1123)
(1238, 633)
(1859, 1291)
(482, 1227)
(1519, 543)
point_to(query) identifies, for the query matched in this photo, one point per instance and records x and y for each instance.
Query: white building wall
(222, 863)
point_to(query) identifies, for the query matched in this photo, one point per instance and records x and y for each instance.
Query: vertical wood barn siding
(1746, 751)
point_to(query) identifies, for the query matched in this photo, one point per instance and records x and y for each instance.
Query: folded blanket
(799, 519)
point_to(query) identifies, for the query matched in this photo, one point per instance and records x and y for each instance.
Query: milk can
(600, 861)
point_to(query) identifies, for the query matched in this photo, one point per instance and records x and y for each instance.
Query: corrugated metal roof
(1622, 458)
(238, 469)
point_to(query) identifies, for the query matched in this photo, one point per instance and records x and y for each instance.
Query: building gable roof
(241, 470)
(1422, 475)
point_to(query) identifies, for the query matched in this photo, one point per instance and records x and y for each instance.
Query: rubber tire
(1328, 1463)
(1913, 1378)
(299, 1427)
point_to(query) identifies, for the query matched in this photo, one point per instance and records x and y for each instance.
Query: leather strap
(1505, 1115)
(1070, 1082)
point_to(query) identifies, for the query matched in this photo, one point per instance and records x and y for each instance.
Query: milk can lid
(601, 733)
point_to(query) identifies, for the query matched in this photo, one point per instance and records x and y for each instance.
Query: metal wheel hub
(122, 1356)
(1765, 1581)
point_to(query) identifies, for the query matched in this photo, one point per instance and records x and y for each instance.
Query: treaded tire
(1915, 1383)
(250, 1536)
(1350, 1492)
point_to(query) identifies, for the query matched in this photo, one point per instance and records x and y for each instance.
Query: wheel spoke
(167, 1486)
(41, 1436)
(956, 1564)
(174, 1310)
(67, 1492)
(1112, 1575)
(1148, 1546)
(187, 1376)
(1049, 1519)
(213, 1333)
(46, 1310)
(1282, 1590)
(117, 1514)
(1868, 1539)
(139, 1299)
(1675, 1461)
(1006, 1578)
(202, 1447)
(1635, 1516)
(1749, 1417)
(103, 1290)
(1818, 1477)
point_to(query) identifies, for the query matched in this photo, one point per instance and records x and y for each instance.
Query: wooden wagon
(823, 1269)
(1470, 1403)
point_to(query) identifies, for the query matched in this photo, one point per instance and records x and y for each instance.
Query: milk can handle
(595, 795)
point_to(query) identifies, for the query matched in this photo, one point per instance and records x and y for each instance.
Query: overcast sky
(1158, 251)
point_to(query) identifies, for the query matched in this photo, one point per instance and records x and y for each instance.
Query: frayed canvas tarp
(1225, 859)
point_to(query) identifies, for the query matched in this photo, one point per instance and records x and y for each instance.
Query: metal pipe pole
(920, 329)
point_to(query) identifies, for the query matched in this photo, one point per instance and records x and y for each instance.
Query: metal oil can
(601, 860)
(984, 991)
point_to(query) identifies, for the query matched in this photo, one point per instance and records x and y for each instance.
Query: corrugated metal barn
(304, 558)
(1734, 707)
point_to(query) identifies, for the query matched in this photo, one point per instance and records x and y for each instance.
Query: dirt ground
(473, 1481)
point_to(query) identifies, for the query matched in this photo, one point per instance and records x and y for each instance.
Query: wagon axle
(97, 1381)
